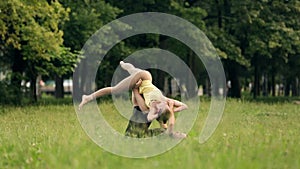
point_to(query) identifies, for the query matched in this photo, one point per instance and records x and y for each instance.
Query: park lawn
(250, 135)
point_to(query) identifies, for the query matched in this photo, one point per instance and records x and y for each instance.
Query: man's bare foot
(85, 99)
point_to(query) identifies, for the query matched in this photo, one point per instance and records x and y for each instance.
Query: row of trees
(255, 39)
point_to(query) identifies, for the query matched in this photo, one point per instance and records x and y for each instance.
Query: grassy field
(251, 135)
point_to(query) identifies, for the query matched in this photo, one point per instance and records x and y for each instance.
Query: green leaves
(42, 37)
(33, 28)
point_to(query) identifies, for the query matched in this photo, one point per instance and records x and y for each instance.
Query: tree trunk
(265, 85)
(191, 89)
(80, 79)
(76, 86)
(287, 87)
(33, 88)
(234, 89)
(59, 87)
(160, 79)
(298, 86)
(256, 91)
(38, 86)
(295, 87)
(207, 87)
(273, 84)
(17, 68)
(219, 14)
(235, 84)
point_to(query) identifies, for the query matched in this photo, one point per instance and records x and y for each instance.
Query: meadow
(252, 134)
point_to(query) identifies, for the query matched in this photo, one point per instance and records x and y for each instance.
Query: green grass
(250, 135)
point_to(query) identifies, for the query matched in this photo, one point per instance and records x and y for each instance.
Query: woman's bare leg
(130, 81)
(101, 92)
(125, 84)
(129, 68)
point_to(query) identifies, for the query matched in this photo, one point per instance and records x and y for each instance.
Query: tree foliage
(31, 38)
(258, 41)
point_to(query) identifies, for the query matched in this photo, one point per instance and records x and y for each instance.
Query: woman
(138, 125)
(153, 98)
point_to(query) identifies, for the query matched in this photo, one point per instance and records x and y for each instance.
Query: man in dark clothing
(138, 125)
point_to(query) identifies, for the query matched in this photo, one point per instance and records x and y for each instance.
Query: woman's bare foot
(85, 99)
(126, 66)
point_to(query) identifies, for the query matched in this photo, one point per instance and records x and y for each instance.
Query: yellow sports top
(150, 92)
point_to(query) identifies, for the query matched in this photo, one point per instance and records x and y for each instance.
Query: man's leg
(138, 124)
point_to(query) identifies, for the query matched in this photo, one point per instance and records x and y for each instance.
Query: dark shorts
(138, 125)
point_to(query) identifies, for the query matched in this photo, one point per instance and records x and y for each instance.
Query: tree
(273, 39)
(176, 7)
(221, 22)
(31, 36)
(86, 17)
(253, 33)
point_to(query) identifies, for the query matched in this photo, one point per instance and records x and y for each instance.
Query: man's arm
(171, 122)
(139, 100)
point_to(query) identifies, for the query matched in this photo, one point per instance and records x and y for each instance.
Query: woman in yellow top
(155, 101)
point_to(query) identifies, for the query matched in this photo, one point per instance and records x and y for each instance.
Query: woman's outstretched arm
(178, 106)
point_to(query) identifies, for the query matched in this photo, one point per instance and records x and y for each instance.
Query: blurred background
(257, 41)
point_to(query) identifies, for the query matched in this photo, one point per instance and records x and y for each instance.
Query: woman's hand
(137, 84)
(171, 104)
(178, 135)
(177, 105)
